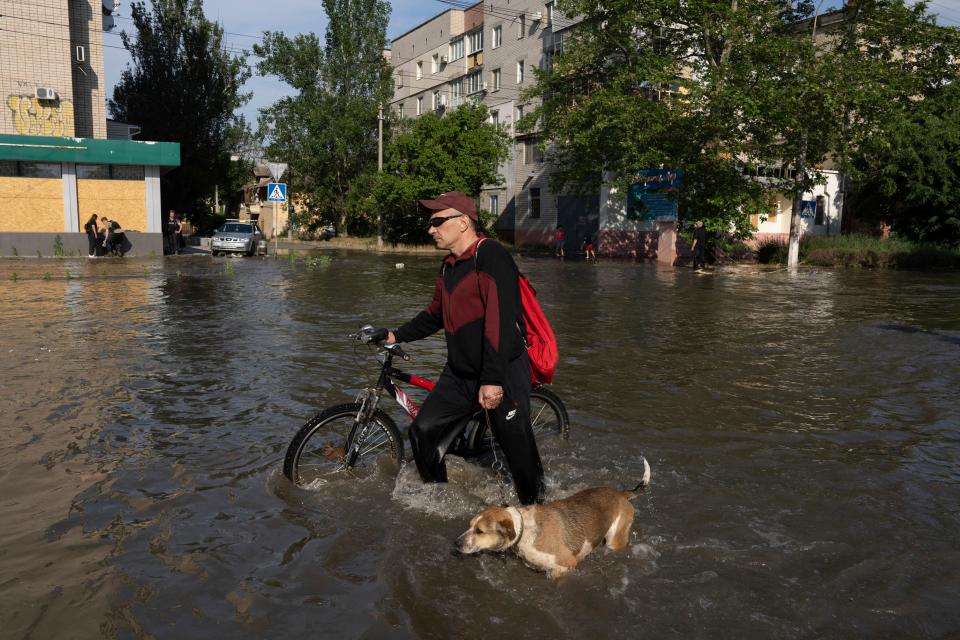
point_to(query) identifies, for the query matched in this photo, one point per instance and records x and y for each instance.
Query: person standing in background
(93, 238)
(171, 234)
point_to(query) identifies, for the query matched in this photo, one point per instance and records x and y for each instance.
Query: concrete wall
(26, 245)
(776, 227)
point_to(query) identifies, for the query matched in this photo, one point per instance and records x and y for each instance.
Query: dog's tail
(644, 482)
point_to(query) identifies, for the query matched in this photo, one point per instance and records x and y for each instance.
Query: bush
(860, 251)
(772, 252)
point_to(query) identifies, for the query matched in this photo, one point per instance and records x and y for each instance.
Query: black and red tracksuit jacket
(476, 301)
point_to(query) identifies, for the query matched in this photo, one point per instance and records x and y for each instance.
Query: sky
(242, 19)
(245, 20)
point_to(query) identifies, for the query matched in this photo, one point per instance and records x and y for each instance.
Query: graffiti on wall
(33, 117)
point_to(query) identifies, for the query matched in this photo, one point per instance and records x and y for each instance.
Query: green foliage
(46, 275)
(714, 87)
(327, 131)
(13, 276)
(228, 268)
(184, 85)
(910, 178)
(862, 251)
(459, 151)
(317, 262)
(14, 250)
(58, 246)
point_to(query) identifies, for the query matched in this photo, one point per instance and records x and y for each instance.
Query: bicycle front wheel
(323, 447)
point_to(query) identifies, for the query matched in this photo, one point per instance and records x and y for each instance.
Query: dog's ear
(505, 527)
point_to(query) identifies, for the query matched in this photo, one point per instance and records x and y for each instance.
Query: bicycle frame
(389, 373)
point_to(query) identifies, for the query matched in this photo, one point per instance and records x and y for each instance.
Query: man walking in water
(476, 300)
(699, 245)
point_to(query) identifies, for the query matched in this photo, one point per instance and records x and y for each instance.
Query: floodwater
(802, 430)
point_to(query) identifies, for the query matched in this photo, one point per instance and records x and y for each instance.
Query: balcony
(474, 60)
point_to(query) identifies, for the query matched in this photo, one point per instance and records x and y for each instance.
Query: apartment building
(59, 163)
(488, 52)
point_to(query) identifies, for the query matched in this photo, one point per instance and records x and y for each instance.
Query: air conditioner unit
(81, 53)
(45, 93)
(536, 16)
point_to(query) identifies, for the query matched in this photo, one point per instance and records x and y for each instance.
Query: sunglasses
(436, 222)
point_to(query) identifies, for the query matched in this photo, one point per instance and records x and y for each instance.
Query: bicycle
(346, 437)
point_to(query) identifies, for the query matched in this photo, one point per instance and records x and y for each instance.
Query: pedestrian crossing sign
(276, 192)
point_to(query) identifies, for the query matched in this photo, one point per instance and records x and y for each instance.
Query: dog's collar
(515, 515)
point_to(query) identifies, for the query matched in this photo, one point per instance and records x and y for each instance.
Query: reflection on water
(802, 430)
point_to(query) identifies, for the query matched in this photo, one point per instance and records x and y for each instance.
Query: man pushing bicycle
(476, 301)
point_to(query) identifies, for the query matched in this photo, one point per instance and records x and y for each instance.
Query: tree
(327, 132)
(909, 174)
(459, 151)
(722, 88)
(183, 85)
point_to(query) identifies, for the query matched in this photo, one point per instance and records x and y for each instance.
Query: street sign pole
(277, 194)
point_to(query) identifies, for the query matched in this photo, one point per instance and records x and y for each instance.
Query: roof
(89, 150)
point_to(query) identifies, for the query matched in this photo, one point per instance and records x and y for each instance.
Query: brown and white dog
(554, 536)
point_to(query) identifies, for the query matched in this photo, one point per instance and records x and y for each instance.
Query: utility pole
(380, 170)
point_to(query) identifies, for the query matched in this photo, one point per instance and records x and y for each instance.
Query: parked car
(327, 232)
(236, 237)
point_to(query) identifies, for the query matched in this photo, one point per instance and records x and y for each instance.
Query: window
(93, 172)
(546, 62)
(495, 205)
(40, 170)
(532, 153)
(456, 92)
(109, 172)
(475, 42)
(400, 109)
(495, 79)
(419, 70)
(126, 172)
(519, 71)
(497, 36)
(456, 49)
(519, 113)
(534, 202)
(495, 118)
(821, 210)
(521, 25)
(436, 100)
(436, 62)
(419, 105)
(474, 82)
(558, 42)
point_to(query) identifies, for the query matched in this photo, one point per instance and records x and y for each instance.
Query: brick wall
(38, 43)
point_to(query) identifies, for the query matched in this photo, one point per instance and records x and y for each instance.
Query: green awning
(89, 150)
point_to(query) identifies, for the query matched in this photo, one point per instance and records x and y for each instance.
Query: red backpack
(540, 339)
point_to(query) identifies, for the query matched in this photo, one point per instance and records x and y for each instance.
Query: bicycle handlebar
(368, 334)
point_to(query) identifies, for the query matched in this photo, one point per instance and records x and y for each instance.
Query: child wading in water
(587, 248)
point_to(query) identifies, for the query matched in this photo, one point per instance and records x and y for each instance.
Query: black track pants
(453, 400)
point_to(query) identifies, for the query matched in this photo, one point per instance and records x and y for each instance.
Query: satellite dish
(109, 6)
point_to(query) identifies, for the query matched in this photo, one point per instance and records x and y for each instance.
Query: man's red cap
(453, 200)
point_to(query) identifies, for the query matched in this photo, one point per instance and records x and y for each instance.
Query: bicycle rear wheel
(548, 419)
(322, 449)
